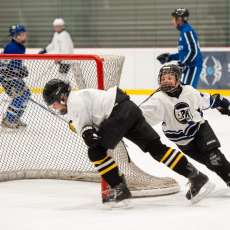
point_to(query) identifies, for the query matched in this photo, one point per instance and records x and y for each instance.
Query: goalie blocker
(103, 118)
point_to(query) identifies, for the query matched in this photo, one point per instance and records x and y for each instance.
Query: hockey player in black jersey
(103, 118)
(179, 108)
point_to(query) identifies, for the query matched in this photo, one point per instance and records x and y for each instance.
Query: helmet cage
(172, 70)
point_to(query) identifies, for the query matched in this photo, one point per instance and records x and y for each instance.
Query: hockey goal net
(45, 148)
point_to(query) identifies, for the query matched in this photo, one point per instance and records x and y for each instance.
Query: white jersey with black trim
(89, 107)
(61, 44)
(181, 117)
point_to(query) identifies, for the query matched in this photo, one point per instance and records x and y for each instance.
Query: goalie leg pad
(17, 106)
(14, 87)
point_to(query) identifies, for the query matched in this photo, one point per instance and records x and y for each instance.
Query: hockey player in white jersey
(103, 118)
(179, 108)
(61, 44)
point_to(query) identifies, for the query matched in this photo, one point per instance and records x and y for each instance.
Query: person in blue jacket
(12, 74)
(189, 56)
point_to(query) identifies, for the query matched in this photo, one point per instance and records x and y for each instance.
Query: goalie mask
(55, 90)
(169, 78)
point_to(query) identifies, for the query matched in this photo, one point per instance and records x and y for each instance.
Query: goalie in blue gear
(12, 73)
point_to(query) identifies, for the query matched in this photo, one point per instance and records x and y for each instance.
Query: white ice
(69, 205)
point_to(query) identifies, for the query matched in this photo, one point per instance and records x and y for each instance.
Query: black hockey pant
(126, 120)
(205, 149)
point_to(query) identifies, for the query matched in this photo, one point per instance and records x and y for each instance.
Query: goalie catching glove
(91, 137)
(163, 58)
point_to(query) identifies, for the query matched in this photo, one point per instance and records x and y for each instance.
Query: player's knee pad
(21, 100)
(156, 149)
(215, 159)
(217, 162)
(97, 153)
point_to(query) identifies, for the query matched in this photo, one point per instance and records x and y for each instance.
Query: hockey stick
(69, 122)
(146, 99)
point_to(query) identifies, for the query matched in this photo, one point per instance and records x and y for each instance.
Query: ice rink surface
(68, 205)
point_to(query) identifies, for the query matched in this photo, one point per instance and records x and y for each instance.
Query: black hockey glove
(224, 111)
(91, 137)
(43, 51)
(181, 66)
(163, 58)
(221, 104)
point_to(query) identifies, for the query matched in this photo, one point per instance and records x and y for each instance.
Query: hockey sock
(176, 161)
(108, 169)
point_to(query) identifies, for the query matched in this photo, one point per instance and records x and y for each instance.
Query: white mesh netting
(45, 148)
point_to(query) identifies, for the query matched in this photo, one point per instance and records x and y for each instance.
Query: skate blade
(5, 129)
(204, 192)
(124, 204)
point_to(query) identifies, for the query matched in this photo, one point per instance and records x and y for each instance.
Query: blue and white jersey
(13, 47)
(188, 47)
(181, 117)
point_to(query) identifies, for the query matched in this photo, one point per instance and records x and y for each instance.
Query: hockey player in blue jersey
(189, 56)
(12, 73)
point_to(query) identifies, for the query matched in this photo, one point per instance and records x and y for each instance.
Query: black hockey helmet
(181, 12)
(169, 69)
(54, 90)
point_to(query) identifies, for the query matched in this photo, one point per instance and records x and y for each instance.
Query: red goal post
(58, 57)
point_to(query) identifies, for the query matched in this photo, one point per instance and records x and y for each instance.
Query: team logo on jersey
(211, 71)
(182, 113)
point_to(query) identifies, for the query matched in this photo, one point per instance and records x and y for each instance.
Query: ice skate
(21, 124)
(200, 187)
(9, 125)
(117, 197)
(12, 125)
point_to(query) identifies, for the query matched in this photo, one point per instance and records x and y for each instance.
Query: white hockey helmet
(58, 22)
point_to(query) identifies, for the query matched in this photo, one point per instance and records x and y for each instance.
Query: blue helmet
(16, 29)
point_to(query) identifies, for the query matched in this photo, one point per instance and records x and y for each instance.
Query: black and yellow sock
(177, 161)
(108, 169)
